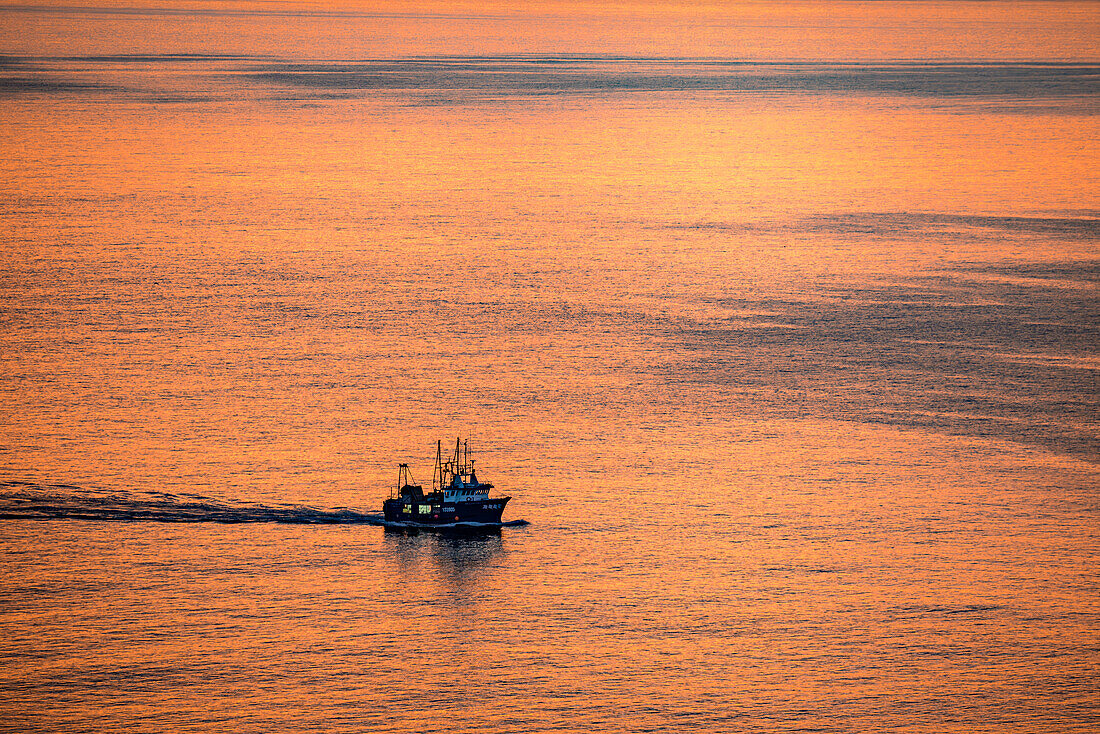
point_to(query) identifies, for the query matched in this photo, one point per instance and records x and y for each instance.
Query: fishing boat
(457, 496)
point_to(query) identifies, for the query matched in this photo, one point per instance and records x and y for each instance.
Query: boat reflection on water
(451, 531)
(457, 554)
(466, 551)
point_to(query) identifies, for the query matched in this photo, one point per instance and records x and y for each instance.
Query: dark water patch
(177, 98)
(920, 223)
(801, 569)
(158, 58)
(1020, 87)
(130, 77)
(1081, 272)
(520, 75)
(30, 501)
(19, 85)
(1001, 351)
(136, 62)
(936, 610)
(971, 609)
(878, 226)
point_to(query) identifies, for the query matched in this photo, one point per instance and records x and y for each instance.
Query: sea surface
(779, 323)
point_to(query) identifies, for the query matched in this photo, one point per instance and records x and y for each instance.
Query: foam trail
(30, 501)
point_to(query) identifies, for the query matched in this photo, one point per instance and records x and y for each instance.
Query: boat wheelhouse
(456, 496)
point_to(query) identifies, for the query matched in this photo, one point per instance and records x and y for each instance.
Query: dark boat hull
(444, 513)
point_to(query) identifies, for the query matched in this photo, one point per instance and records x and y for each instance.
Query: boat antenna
(437, 473)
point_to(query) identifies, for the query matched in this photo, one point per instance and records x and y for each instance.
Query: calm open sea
(779, 323)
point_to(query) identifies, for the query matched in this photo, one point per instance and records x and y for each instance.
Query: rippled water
(784, 343)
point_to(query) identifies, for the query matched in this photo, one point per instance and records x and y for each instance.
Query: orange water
(790, 363)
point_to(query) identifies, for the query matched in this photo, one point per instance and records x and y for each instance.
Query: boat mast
(404, 477)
